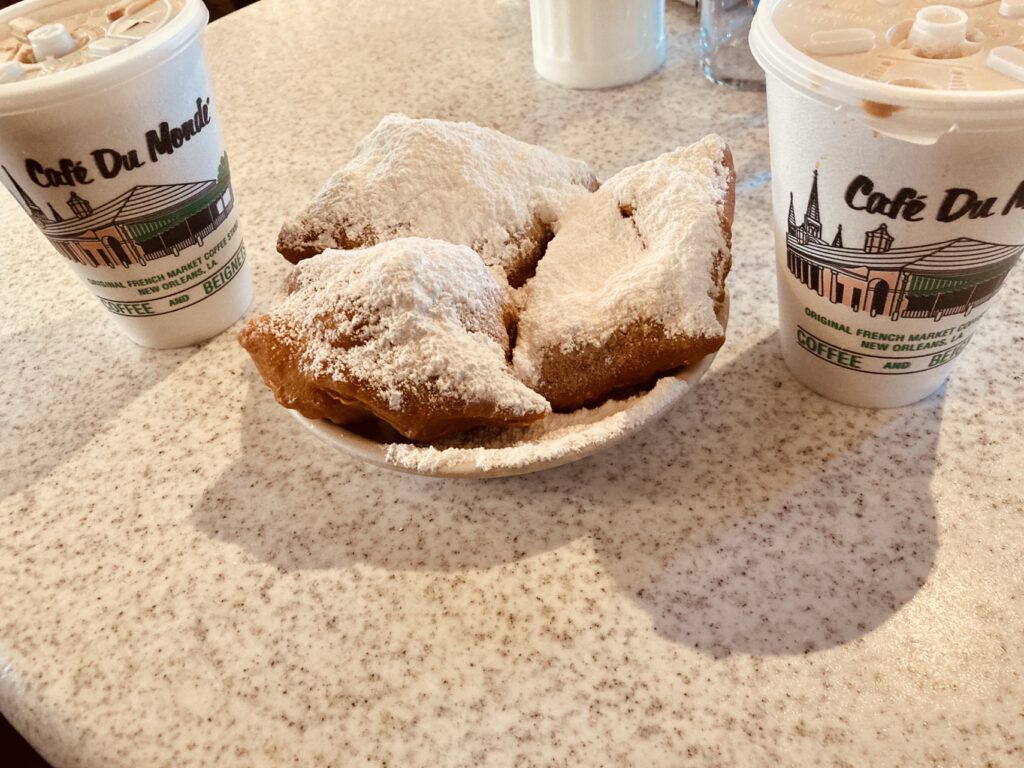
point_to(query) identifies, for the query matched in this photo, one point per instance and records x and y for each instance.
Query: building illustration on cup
(922, 281)
(145, 223)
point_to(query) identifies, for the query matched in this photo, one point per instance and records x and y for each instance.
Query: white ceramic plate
(557, 439)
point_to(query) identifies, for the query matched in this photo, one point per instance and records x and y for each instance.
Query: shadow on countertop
(771, 522)
(56, 415)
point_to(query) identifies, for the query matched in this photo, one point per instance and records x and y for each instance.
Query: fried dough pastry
(634, 280)
(450, 181)
(411, 331)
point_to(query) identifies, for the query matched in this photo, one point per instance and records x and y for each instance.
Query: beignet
(632, 283)
(457, 182)
(411, 331)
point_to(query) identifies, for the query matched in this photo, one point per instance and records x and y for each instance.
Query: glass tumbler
(724, 52)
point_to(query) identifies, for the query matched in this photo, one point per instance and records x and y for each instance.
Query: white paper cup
(597, 43)
(121, 165)
(899, 212)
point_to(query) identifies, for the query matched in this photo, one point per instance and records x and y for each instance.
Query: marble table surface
(763, 577)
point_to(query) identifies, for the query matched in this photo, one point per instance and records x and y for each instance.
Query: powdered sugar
(556, 438)
(641, 248)
(457, 182)
(407, 317)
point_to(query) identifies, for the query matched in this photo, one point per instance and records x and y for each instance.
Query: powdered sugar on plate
(649, 247)
(554, 440)
(556, 437)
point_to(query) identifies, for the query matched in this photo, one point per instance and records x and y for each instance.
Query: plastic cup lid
(51, 41)
(908, 68)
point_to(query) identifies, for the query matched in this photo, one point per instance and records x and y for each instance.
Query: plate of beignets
(557, 318)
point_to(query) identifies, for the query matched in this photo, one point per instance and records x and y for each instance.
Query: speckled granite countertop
(763, 578)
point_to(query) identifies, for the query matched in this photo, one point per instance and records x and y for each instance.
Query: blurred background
(217, 9)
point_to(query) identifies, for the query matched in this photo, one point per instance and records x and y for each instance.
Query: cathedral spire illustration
(27, 202)
(812, 219)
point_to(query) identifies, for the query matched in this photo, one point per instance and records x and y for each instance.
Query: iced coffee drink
(110, 141)
(899, 204)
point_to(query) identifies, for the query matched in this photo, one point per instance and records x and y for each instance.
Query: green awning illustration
(147, 211)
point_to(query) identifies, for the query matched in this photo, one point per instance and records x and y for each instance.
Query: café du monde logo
(145, 223)
(934, 280)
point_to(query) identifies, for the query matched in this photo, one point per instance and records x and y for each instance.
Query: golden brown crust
(530, 247)
(422, 415)
(723, 261)
(633, 357)
(304, 238)
(425, 408)
(277, 359)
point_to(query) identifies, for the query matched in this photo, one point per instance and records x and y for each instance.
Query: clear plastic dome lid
(960, 45)
(46, 39)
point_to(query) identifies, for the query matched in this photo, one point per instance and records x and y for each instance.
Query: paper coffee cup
(121, 164)
(899, 201)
